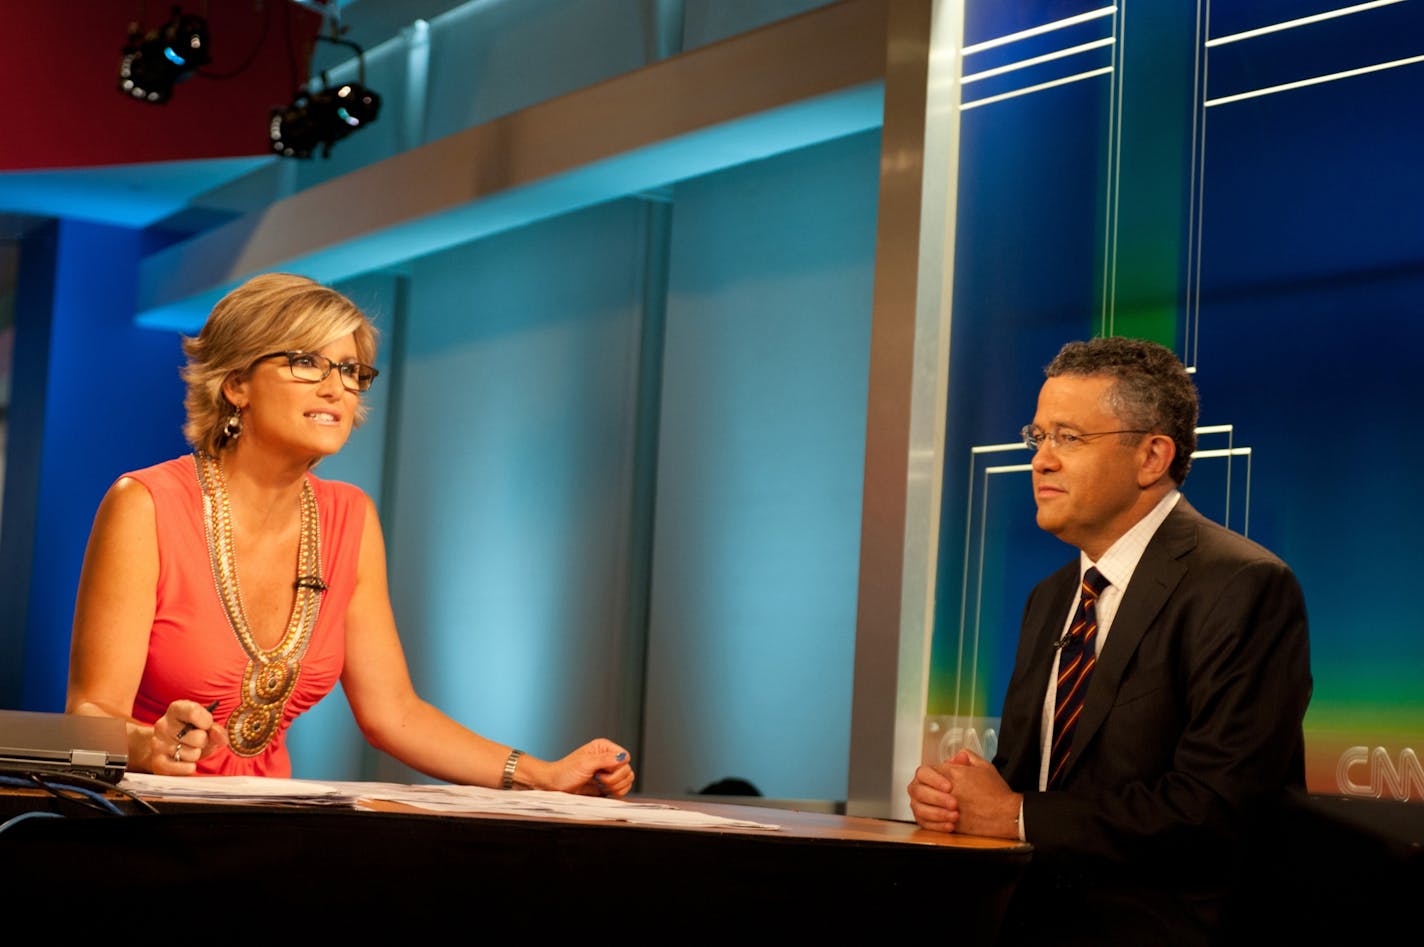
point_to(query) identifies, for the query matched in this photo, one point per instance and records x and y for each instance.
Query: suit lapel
(1048, 618)
(1157, 574)
(1023, 714)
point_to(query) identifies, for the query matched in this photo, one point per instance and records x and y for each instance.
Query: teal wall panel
(512, 476)
(756, 545)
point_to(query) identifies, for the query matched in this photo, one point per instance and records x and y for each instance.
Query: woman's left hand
(598, 768)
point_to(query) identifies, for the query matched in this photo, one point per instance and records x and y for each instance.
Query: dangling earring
(232, 430)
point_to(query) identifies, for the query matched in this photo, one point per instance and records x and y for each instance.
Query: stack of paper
(437, 797)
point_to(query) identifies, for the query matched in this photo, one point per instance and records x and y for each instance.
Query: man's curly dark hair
(1152, 390)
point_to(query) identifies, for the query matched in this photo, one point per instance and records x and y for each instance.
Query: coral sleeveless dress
(193, 651)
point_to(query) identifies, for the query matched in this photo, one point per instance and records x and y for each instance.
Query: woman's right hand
(186, 733)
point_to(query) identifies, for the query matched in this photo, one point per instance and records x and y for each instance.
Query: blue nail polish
(621, 757)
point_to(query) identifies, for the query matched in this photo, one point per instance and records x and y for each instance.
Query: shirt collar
(1122, 557)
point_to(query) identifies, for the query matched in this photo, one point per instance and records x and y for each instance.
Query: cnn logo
(1370, 771)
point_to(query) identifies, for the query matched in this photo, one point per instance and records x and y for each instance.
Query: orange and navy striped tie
(1077, 656)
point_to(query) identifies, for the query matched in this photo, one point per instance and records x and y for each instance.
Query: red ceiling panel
(62, 108)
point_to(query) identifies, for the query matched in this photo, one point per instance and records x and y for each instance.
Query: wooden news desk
(487, 877)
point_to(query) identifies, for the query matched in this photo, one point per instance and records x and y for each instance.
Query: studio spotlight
(155, 62)
(321, 119)
(324, 117)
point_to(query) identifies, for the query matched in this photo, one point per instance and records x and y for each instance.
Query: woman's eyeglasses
(311, 367)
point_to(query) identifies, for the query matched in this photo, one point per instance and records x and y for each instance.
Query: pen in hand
(188, 728)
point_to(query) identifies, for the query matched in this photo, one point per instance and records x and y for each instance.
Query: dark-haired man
(1153, 720)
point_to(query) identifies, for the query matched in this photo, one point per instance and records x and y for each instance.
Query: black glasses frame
(352, 374)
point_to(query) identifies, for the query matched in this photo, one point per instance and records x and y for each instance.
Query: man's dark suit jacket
(1191, 734)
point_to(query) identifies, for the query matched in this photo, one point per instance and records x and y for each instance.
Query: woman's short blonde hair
(274, 312)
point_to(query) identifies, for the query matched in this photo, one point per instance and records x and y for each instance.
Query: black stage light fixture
(154, 62)
(323, 117)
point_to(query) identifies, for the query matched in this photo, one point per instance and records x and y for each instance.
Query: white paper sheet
(436, 797)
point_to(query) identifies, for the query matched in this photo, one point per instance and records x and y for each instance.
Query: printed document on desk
(249, 789)
(538, 802)
(436, 797)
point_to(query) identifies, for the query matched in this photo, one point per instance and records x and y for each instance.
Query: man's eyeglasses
(1061, 440)
(311, 367)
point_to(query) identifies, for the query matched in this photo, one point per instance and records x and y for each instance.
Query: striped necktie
(1077, 656)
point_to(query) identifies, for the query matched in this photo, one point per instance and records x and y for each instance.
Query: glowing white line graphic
(1114, 171)
(1306, 82)
(1196, 203)
(1046, 57)
(1289, 24)
(1035, 88)
(1037, 30)
(1223, 452)
(1020, 445)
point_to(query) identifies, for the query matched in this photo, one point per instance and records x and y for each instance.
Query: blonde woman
(225, 592)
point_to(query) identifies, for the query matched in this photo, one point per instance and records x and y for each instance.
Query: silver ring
(178, 753)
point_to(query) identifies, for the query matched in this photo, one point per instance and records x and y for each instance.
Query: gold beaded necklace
(271, 673)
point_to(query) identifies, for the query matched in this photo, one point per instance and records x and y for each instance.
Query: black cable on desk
(79, 794)
(101, 787)
(75, 789)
